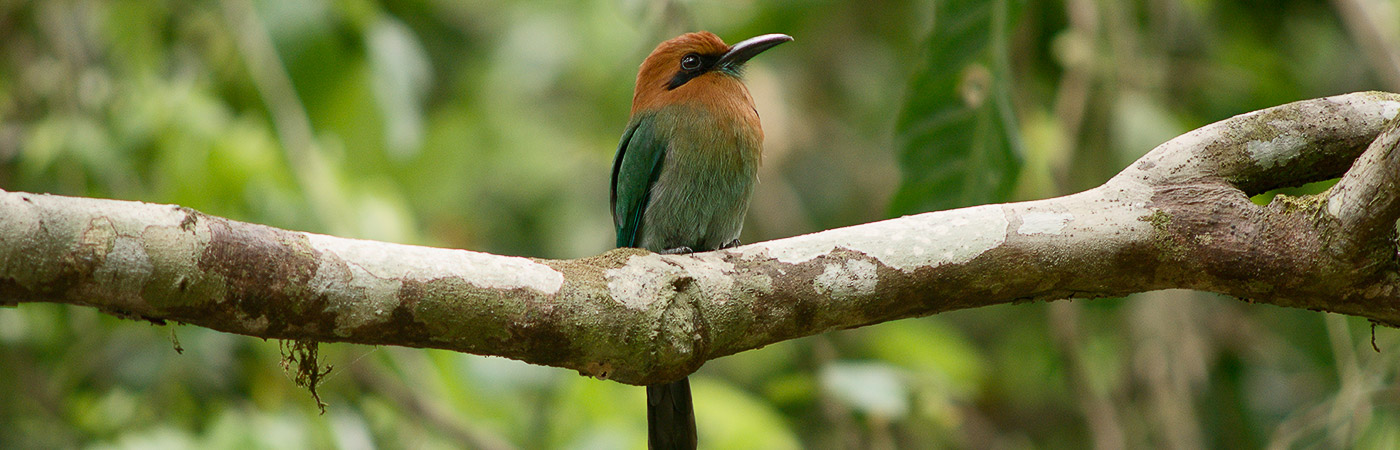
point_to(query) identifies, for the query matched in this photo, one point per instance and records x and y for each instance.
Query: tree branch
(1180, 217)
(1365, 199)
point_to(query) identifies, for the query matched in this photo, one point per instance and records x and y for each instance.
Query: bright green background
(490, 125)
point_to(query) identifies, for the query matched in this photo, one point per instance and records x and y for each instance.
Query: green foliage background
(490, 125)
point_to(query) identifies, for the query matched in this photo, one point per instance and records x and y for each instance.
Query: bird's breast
(700, 198)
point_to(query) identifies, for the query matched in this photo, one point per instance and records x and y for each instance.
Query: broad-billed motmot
(684, 172)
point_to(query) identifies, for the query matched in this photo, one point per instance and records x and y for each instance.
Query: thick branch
(1180, 217)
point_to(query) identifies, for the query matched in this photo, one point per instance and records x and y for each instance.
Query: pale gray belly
(694, 209)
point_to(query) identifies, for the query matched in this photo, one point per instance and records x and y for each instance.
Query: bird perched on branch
(684, 172)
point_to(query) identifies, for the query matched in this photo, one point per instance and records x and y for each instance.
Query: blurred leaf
(351, 430)
(1384, 432)
(873, 388)
(402, 75)
(158, 438)
(731, 418)
(930, 349)
(958, 133)
(1141, 123)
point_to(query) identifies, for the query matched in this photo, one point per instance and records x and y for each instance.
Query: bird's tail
(670, 416)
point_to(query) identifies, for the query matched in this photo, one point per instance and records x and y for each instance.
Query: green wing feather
(635, 169)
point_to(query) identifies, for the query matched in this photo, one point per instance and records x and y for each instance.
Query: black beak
(741, 52)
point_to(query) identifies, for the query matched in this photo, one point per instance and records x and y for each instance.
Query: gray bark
(1179, 217)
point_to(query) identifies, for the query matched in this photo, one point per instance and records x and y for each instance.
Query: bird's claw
(677, 251)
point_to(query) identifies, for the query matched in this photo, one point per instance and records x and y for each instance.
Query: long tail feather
(670, 416)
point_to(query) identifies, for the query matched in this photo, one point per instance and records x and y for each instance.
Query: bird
(684, 173)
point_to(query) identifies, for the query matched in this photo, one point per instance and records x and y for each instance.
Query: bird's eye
(690, 62)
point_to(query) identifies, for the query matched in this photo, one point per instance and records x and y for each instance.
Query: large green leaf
(957, 130)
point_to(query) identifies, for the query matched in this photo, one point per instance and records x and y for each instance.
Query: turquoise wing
(636, 167)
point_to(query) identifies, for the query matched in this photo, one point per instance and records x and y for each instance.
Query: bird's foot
(677, 251)
(731, 244)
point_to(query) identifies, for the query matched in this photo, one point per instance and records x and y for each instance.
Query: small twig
(1099, 412)
(175, 340)
(1373, 337)
(1383, 54)
(289, 118)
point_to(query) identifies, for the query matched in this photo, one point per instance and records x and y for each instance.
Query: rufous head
(696, 66)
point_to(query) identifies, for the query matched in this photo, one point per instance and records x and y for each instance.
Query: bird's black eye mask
(692, 65)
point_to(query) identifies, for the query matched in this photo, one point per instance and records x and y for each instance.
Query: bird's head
(696, 66)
